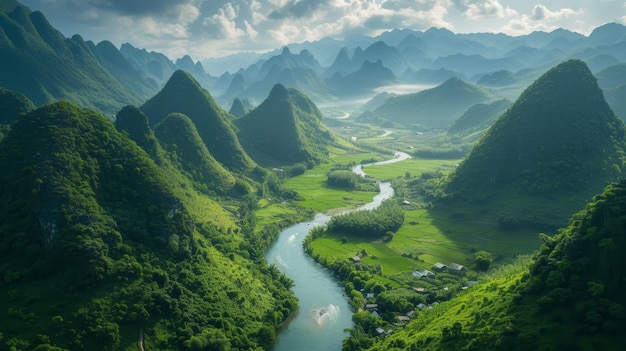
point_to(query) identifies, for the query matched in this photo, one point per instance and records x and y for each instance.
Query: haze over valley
(334, 175)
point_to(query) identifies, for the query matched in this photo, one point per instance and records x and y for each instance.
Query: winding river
(324, 310)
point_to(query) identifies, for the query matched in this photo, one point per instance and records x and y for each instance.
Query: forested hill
(432, 108)
(559, 141)
(183, 94)
(478, 117)
(39, 62)
(132, 121)
(570, 297)
(98, 243)
(178, 135)
(12, 104)
(285, 129)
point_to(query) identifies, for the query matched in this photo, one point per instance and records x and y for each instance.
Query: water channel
(324, 310)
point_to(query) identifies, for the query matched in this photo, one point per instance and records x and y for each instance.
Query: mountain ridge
(183, 94)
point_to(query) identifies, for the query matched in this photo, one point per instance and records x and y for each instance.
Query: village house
(439, 266)
(456, 267)
(371, 306)
(422, 274)
(403, 319)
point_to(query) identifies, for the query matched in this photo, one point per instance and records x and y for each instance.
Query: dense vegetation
(134, 123)
(98, 244)
(478, 116)
(371, 224)
(286, 128)
(178, 136)
(559, 143)
(12, 105)
(343, 179)
(183, 94)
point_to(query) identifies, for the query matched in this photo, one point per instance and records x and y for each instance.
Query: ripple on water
(325, 315)
(292, 237)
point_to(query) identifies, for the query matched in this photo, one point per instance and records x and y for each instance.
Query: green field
(426, 237)
(415, 166)
(317, 195)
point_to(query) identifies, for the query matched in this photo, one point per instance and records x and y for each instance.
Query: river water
(324, 310)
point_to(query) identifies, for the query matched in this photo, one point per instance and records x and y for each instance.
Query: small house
(403, 318)
(439, 266)
(355, 259)
(421, 306)
(410, 314)
(456, 267)
(370, 295)
(371, 306)
(423, 274)
(380, 330)
(428, 274)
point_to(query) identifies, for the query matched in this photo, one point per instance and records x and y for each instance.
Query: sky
(216, 28)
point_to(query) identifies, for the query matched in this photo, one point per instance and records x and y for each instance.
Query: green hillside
(99, 244)
(285, 129)
(178, 135)
(183, 94)
(132, 121)
(616, 99)
(12, 105)
(39, 62)
(431, 108)
(570, 297)
(558, 144)
(478, 117)
(239, 108)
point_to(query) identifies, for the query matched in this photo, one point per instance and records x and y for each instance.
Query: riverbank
(324, 312)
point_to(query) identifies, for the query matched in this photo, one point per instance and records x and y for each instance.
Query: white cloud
(224, 22)
(488, 9)
(540, 13)
(225, 26)
(252, 33)
(543, 19)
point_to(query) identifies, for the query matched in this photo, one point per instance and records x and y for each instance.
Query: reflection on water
(325, 315)
(281, 263)
(292, 237)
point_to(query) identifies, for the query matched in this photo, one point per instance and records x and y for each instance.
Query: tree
(482, 260)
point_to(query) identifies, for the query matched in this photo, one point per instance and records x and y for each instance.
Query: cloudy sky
(214, 28)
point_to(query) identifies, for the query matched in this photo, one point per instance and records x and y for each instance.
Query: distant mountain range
(431, 108)
(45, 66)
